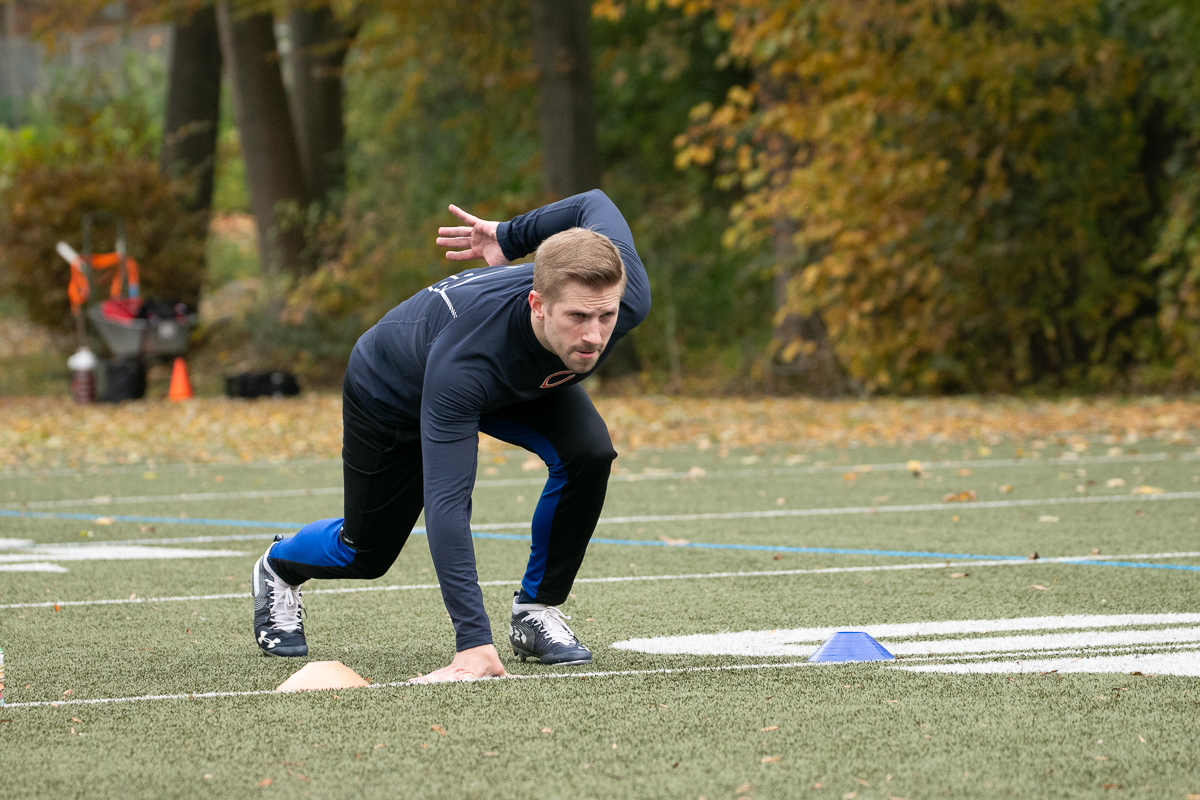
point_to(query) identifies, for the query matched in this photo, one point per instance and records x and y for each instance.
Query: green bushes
(92, 149)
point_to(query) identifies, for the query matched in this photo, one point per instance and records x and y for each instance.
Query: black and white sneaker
(278, 630)
(541, 632)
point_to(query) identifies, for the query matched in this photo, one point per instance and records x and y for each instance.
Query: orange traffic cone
(181, 387)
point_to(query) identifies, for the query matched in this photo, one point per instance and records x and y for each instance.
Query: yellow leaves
(608, 10)
(693, 154)
(965, 496)
(1148, 490)
(438, 729)
(740, 96)
(1114, 483)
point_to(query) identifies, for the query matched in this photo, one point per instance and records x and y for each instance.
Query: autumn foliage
(979, 190)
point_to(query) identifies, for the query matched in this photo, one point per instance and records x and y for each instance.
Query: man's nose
(591, 333)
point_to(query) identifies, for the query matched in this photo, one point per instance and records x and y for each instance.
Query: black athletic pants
(384, 494)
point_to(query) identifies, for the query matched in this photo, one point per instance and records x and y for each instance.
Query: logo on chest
(557, 378)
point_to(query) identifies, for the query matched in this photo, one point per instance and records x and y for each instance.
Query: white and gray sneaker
(541, 632)
(278, 630)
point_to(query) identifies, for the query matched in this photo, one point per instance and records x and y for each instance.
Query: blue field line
(823, 550)
(1138, 564)
(516, 537)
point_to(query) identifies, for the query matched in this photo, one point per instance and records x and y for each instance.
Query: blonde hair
(580, 256)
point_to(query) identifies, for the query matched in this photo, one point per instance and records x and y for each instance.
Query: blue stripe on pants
(317, 544)
(543, 515)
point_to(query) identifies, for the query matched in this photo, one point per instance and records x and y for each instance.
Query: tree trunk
(193, 106)
(562, 48)
(319, 46)
(274, 176)
(803, 352)
(567, 126)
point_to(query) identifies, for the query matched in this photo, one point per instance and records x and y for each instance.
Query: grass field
(131, 669)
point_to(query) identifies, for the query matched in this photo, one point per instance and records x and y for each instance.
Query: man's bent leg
(382, 476)
(564, 430)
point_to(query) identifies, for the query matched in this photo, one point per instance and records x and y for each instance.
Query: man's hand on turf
(476, 239)
(468, 665)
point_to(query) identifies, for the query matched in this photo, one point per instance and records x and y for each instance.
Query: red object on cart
(80, 288)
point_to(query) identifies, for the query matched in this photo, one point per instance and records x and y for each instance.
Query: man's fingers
(460, 255)
(456, 241)
(458, 230)
(464, 216)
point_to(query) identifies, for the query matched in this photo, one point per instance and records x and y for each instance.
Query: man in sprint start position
(499, 349)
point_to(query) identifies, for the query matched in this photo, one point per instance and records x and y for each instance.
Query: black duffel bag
(262, 384)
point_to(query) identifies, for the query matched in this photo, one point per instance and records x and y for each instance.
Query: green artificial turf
(826, 731)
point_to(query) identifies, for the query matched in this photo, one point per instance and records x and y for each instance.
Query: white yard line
(191, 497)
(615, 579)
(104, 470)
(35, 566)
(1118, 663)
(409, 684)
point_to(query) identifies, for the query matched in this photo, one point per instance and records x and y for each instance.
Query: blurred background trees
(900, 196)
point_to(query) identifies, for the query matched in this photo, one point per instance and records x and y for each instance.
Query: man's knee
(369, 570)
(593, 454)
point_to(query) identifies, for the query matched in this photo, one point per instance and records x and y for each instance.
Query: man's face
(576, 327)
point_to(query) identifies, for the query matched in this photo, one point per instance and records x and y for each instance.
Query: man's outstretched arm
(499, 243)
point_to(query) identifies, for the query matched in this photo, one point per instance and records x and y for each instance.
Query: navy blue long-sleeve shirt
(465, 347)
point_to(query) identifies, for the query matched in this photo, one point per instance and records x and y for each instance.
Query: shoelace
(553, 623)
(286, 605)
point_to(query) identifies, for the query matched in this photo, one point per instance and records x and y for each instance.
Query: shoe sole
(277, 654)
(527, 656)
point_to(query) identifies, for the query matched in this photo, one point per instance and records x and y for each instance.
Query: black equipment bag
(124, 379)
(262, 384)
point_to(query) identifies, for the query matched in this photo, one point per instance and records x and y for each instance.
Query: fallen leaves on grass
(547, 730)
(861, 782)
(1114, 483)
(768, 759)
(965, 496)
(1047, 518)
(673, 542)
(1147, 490)
(1006, 488)
(438, 729)
(104, 520)
(1041, 588)
(265, 782)
(959, 574)
(915, 467)
(770, 728)
(54, 432)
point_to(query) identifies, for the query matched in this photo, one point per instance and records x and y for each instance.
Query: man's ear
(536, 304)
